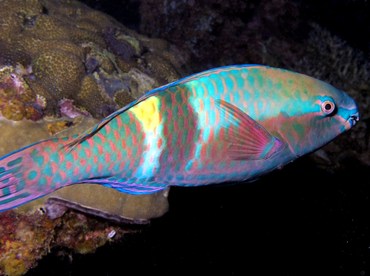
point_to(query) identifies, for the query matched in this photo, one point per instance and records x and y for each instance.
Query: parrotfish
(227, 124)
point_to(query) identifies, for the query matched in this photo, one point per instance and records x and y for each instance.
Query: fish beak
(353, 119)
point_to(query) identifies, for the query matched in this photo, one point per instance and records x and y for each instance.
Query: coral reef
(76, 53)
(25, 237)
(84, 234)
(98, 200)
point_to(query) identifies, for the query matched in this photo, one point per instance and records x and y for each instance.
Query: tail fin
(18, 178)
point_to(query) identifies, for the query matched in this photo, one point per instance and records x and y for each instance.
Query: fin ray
(248, 139)
(15, 187)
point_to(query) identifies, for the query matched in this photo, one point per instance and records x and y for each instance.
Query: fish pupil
(328, 106)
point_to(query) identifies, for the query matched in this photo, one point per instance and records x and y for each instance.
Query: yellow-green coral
(92, 97)
(47, 68)
(68, 45)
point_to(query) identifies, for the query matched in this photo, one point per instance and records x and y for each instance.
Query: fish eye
(327, 107)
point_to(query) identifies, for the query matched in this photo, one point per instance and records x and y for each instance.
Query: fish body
(231, 123)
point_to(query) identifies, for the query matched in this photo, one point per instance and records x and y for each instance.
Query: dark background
(301, 220)
(347, 18)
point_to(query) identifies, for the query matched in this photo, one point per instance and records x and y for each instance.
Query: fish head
(313, 113)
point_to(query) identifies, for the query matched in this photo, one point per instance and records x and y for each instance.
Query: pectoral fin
(247, 139)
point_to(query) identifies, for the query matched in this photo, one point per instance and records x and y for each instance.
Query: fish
(228, 124)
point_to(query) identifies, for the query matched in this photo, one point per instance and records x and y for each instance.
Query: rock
(73, 52)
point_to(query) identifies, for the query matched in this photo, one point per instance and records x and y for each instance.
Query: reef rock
(64, 66)
(73, 52)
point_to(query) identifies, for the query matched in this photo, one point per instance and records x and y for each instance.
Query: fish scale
(226, 124)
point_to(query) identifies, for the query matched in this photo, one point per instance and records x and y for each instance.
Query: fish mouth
(353, 119)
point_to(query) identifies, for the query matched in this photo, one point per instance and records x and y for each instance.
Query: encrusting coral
(72, 51)
(17, 100)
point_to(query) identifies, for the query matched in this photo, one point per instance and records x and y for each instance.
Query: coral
(17, 100)
(53, 68)
(55, 127)
(92, 97)
(24, 239)
(68, 109)
(83, 234)
(97, 200)
(76, 53)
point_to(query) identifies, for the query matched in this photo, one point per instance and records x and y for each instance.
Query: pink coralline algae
(17, 100)
(68, 109)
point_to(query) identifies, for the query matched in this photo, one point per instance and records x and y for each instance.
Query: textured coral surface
(70, 51)
(26, 237)
(23, 240)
